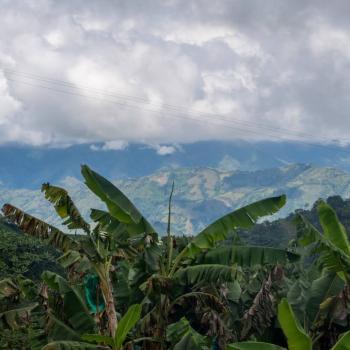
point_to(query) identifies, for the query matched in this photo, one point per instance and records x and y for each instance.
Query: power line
(161, 114)
(166, 107)
(187, 118)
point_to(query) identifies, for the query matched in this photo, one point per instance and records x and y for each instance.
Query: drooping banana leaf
(69, 258)
(209, 273)
(248, 256)
(18, 316)
(297, 339)
(40, 229)
(253, 345)
(71, 345)
(59, 330)
(183, 337)
(119, 206)
(260, 314)
(65, 207)
(244, 217)
(8, 288)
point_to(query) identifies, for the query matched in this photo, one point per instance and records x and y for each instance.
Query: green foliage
(211, 273)
(126, 324)
(24, 255)
(251, 345)
(244, 217)
(70, 345)
(201, 292)
(249, 256)
(182, 336)
(296, 337)
(343, 343)
(65, 207)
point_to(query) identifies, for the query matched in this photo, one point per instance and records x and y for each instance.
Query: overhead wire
(165, 106)
(125, 103)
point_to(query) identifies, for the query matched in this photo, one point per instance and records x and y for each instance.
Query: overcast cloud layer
(271, 64)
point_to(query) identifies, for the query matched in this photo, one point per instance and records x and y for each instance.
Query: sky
(169, 72)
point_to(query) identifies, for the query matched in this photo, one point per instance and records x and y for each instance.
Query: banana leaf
(209, 273)
(244, 217)
(40, 229)
(119, 206)
(248, 256)
(65, 207)
(297, 339)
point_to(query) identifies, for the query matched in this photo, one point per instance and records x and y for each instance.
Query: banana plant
(118, 341)
(297, 338)
(327, 297)
(96, 250)
(332, 246)
(122, 233)
(202, 261)
(18, 298)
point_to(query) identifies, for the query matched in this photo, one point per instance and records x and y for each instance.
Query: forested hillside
(201, 195)
(22, 254)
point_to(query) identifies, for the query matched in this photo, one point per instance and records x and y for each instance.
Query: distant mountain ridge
(201, 194)
(29, 167)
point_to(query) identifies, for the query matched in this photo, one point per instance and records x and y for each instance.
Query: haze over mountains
(211, 178)
(29, 167)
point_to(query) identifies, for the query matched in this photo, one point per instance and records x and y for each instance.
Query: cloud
(165, 150)
(117, 145)
(141, 71)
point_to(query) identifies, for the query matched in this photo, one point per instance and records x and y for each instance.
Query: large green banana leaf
(332, 257)
(332, 227)
(248, 256)
(119, 206)
(244, 217)
(209, 273)
(326, 286)
(343, 343)
(65, 207)
(40, 229)
(126, 324)
(297, 339)
(253, 345)
(113, 226)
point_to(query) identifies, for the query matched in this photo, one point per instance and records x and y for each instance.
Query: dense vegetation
(125, 287)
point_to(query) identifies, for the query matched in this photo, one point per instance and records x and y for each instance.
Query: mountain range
(28, 167)
(201, 194)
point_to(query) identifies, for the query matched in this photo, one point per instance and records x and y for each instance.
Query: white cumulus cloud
(167, 72)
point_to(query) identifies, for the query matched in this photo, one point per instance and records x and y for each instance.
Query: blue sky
(171, 72)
